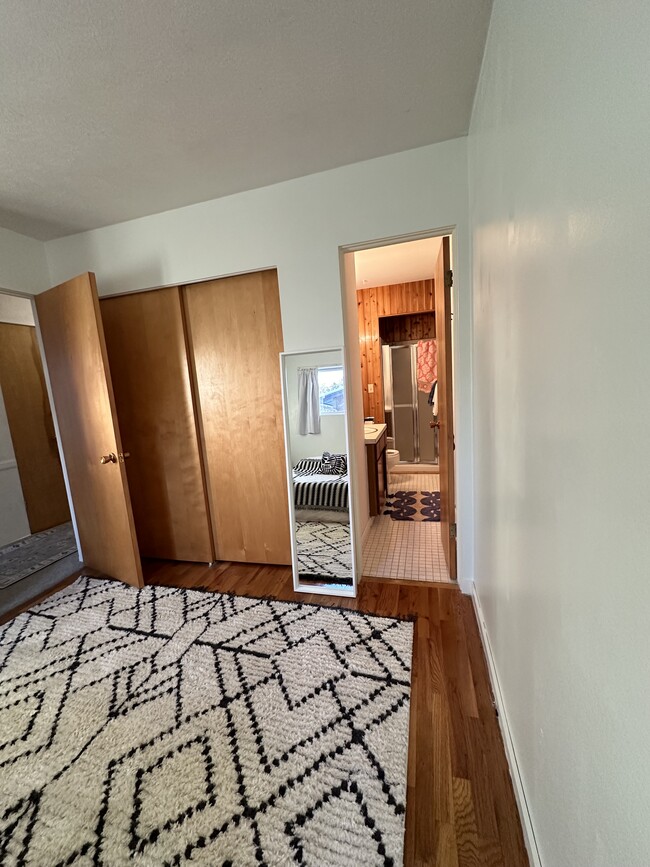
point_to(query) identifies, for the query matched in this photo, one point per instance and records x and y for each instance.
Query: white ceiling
(114, 109)
(398, 263)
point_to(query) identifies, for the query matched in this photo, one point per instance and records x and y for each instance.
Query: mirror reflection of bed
(317, 454)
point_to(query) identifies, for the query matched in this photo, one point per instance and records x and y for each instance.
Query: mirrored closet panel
(316, 433)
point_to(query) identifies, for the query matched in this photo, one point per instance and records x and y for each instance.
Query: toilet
(392, 458)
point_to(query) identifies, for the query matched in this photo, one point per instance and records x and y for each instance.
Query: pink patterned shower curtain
(427, 353)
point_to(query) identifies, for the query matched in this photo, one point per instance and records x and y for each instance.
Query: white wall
(559, 193)
(332, 427)
(298, 227)
(16, 310)
(23, 267)
(13, 515)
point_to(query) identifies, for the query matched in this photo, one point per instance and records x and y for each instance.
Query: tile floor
(406, 549)
(413, 482)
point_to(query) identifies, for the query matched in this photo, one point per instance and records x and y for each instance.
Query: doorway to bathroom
(403, 302)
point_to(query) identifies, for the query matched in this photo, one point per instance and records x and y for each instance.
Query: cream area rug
(165, 726)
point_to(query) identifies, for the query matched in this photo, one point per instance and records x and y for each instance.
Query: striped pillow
(333, 465)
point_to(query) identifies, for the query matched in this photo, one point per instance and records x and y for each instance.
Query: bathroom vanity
(375, 440)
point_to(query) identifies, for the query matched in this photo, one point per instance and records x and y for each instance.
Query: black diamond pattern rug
(164, 726)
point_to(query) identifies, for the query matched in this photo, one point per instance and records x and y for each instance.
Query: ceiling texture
(397, 263)
(115, 109)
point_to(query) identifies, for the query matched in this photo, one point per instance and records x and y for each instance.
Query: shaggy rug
(160, 726)
(23, 558)
(413, 506)
(324, 551)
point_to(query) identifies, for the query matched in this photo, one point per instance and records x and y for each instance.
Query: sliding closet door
(145, 339)
(235, 336)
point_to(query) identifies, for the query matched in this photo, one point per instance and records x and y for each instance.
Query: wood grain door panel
(235, 338)
(145, 339)
(32, 429)
(75, 352)
(445, 406)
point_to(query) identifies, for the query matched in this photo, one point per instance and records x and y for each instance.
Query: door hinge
(449, 279)
(452, 531)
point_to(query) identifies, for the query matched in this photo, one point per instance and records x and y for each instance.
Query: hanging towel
(427, 365)
(308, 401)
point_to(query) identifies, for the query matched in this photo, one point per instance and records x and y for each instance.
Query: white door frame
(351, 334)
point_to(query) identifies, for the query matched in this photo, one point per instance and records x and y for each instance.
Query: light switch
(371, 388)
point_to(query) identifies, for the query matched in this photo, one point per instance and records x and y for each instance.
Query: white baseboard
(517, 782)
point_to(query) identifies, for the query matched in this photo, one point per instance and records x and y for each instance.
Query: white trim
(466, 586)
(9, 464)
(511, 755)
(441, 232)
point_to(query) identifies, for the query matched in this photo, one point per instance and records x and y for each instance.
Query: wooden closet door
(145, 338)
(32, 429)
(235, 337)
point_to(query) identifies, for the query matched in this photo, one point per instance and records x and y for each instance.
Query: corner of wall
(23, 263)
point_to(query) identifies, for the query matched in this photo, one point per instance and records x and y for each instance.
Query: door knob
(108, 459)
(434, 424)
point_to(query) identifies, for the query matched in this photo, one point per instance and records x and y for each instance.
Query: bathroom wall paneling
(408, 326)
(372, 304)
(145, 340)
(32, 429)
(235, 338)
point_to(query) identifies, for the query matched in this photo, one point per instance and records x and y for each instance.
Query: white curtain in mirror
(308, 401)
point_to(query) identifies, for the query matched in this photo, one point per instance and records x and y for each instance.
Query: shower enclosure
(407, 411)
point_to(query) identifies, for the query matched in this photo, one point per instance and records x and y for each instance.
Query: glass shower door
(404, 414)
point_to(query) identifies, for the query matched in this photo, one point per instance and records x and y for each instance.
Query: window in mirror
(331, 390)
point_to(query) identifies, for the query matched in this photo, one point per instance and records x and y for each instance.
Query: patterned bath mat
(413, 506)
(162, 726)
(27, 556)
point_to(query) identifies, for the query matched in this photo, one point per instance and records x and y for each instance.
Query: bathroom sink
(370, 428)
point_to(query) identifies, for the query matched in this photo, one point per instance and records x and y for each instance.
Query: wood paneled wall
(373, 304)
(410, 326)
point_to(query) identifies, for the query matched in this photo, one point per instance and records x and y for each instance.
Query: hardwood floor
(461, 809)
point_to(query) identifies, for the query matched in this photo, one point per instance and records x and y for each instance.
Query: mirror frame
(321, 589)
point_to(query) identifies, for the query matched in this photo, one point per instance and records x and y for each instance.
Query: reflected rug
(23, 558)
(161, 725)
(413, 506)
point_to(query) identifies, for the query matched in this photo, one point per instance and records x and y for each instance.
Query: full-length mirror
(316, 431)
(38, 548)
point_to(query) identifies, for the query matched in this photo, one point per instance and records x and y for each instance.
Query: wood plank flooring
(461, 809)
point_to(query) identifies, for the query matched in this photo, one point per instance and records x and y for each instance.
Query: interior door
(75, 352)
(445, 405)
